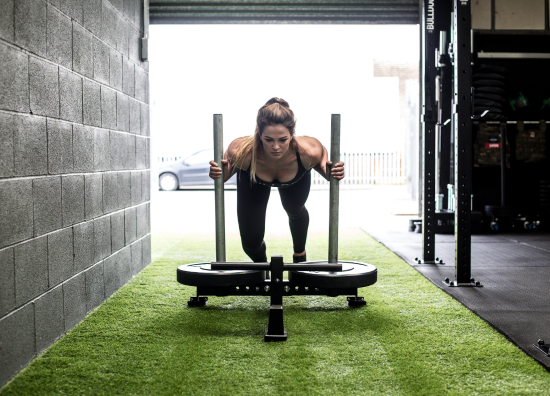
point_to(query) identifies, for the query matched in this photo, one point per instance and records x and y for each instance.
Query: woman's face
(276, 140)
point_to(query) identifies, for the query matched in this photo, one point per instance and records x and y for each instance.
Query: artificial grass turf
(410, 339)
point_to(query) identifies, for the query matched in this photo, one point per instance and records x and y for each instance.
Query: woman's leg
(293, 199)
(251, 207)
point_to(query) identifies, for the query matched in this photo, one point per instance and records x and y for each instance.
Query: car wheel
(168, 182)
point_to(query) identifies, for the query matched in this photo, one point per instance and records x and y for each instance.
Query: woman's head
(276, 111)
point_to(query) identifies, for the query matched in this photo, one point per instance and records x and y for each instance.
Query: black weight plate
(353, 274)
(482, 76)
(481, 109)
(491, 96)
(493, 90)
(491, 69)
(489, 83)
(486, 102)
(200, 274)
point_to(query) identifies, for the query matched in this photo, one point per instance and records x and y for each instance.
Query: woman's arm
(319, 155)
(227, 163)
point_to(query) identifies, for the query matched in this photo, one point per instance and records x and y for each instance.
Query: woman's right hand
(215, 170)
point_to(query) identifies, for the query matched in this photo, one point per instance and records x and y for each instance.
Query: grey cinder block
(123, 112)
(148, 154)
(130, 11)
(17, 342)
(126, 264)
(135, 116)
(108, 24)
(74, 300)
(145, 119)
(141, 84)
(121, 37)
(128, 76)
(7, 128)
(93, 195)
(31, 269)
(112, 279)
(60, 147)
(137, 257)
(110, 194)
(49, 320)
(145, 186)
(130, 151)
(95, 287)
(83, 61)
(14, 79)
(83, 240)
(141, 145)
(141, 222)
(136, 188)
(30, 146)
(92, 16)
(16, 211)
(117, 231)
(46, 194)
(108, 108)
(7, 29)
(70, 96)
(117, 150)
(60, 256)
(118, 270)
(44, 87)
(124, 190)
(7, 281)
(73, 8)
(146, 246)
(30, 25)
(118, 4)
(83, 148)
(72, 199)
(91, 103)
(130, 230)
(115, 67)
(134, 43)
(102, 238)
(59, 46)
(101, 55)
(102, 150)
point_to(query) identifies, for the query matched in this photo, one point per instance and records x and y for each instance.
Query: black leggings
(251, 208)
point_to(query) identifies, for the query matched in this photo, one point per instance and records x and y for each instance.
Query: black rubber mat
(514, 270)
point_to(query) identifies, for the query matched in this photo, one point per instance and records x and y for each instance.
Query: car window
(202, 157)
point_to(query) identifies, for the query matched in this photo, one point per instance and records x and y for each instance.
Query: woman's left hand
(338, 170)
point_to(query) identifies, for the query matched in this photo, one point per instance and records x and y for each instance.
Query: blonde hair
(276, 111)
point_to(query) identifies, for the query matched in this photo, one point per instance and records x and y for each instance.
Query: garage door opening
(366, 73)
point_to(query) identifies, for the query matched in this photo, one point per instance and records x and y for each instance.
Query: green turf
(410, 339)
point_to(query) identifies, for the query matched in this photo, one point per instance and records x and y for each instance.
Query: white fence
(370, 168)
(361, 168)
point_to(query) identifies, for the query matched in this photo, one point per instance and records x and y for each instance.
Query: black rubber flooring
(514, 270)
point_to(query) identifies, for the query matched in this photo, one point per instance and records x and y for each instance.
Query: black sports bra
(275, 183)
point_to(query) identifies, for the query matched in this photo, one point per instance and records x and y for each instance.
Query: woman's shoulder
(310, 150)
(234, 150)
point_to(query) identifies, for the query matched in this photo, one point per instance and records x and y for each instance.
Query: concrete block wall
(74, 166)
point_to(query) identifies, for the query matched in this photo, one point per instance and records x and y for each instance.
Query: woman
(274, 157)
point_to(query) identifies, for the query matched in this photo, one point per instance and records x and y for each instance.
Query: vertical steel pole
(462, 114)
(218, 189)
(429, 120)
(334, 190)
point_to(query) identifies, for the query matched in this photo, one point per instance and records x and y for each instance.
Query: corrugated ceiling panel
(300, 11)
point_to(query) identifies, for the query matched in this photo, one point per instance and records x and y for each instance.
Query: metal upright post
(429, 119)
(462, 114)
(334, 190)
(218, 189)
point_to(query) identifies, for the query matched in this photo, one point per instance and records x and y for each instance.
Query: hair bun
(280, 101)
